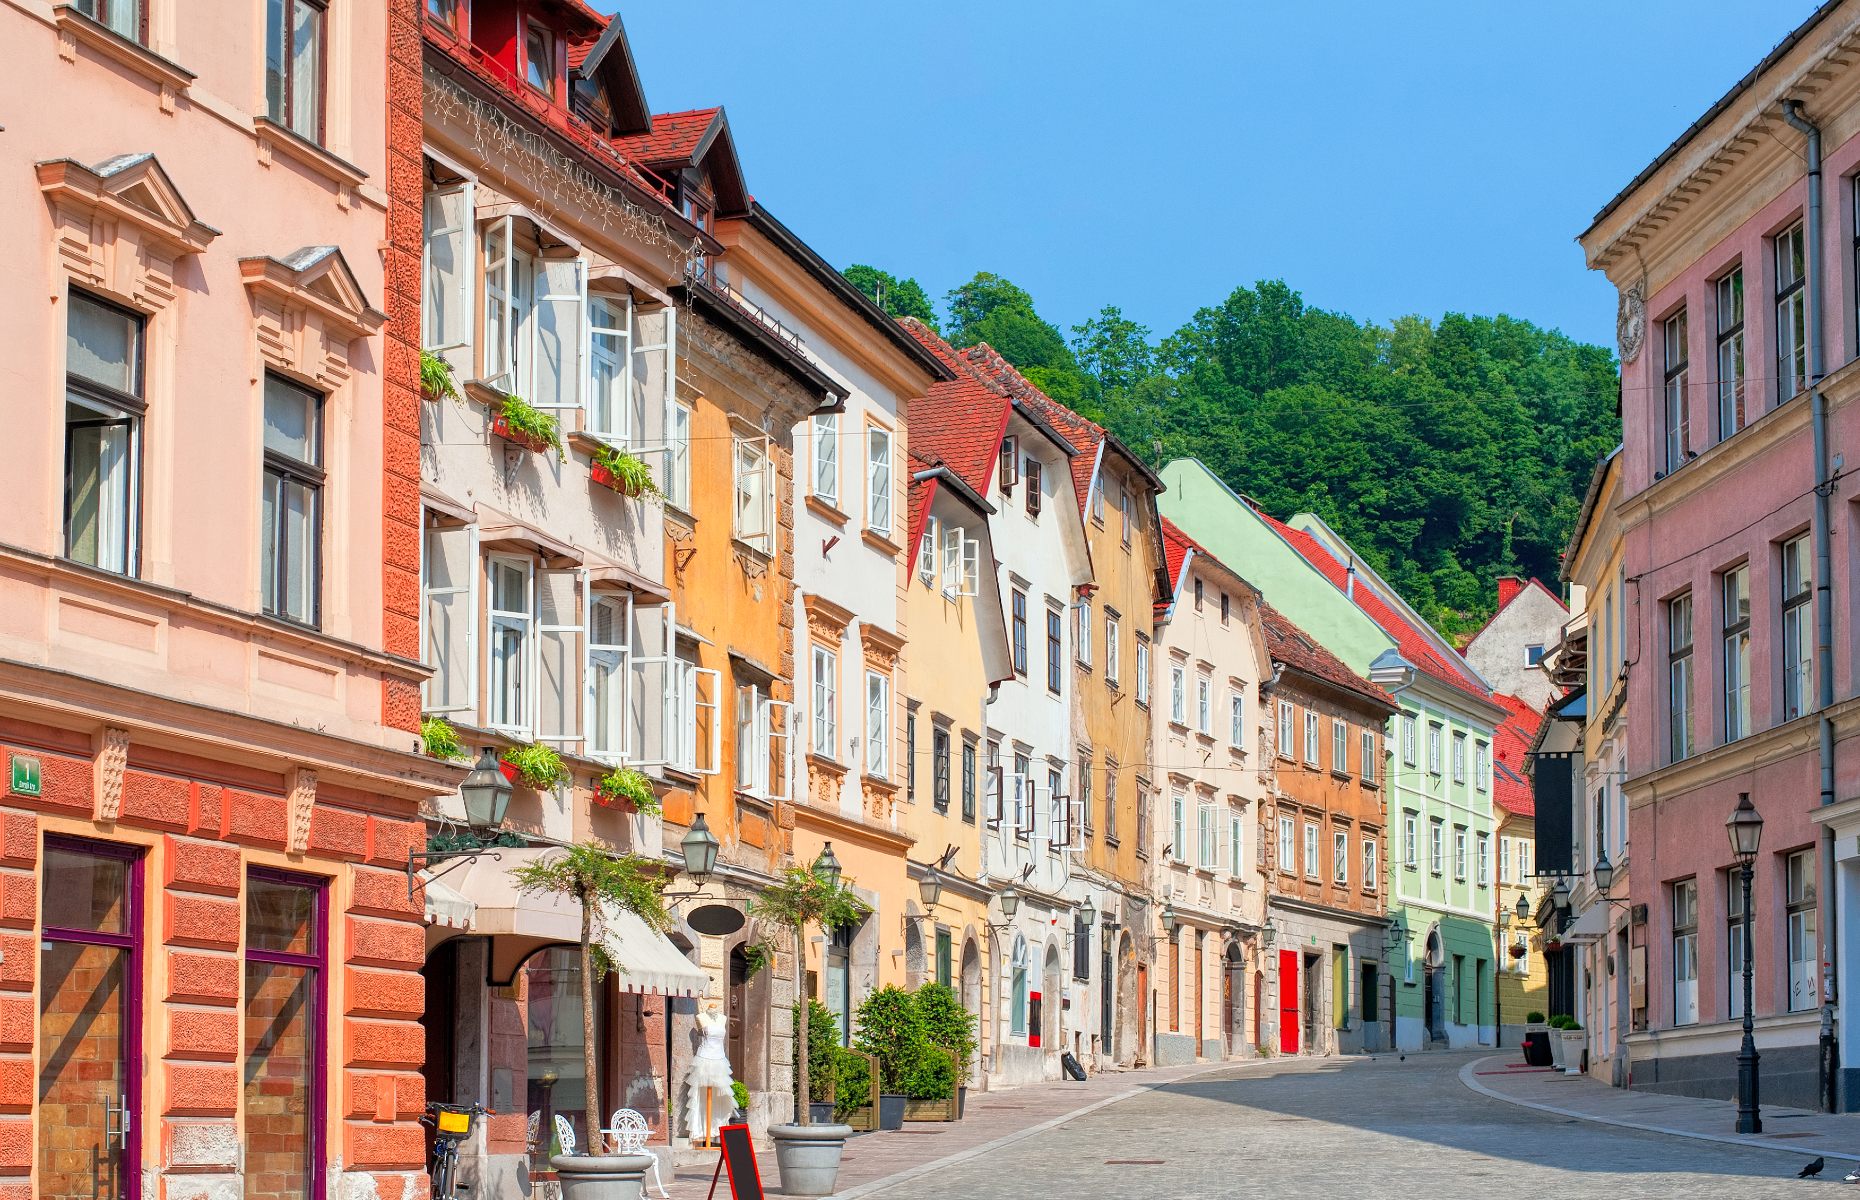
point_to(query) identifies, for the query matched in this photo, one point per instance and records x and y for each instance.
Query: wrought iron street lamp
(930, 888)
(1559, 896)
(486, 793)
(1169, 921)
(1745, 827)
(1604, 873)
(699, 847)
(1088, 912)
(827, 867)
(1523, 908)
(1010, 902)
(1498, 991)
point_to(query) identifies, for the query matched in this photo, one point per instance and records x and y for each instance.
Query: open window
(610, 624)
(650, 690)
(1010, 462)
(561, 636)
(449, 614)
(764, 744)
(753, 511)
(927, 551)
(997, 797)
(448, 271)
(693, 718)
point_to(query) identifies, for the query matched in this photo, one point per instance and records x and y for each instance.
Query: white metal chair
(565, 1134)
(532, 1132)
(627, 1130)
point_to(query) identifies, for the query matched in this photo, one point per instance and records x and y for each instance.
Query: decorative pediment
(131, 188)
(309, 308)
(122, 225)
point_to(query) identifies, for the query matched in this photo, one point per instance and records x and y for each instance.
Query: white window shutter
(653, 639)
(777, 733)
(561, 632)
(610, 365)
(449, 641)
(707, 699)
(561, 285)
(952, 559)
(449, 260)
(499, 300)
(996, 800)
(609, 673)
(971, 564)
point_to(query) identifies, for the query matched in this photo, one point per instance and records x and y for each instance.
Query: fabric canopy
(1592, 924)
(482, 898)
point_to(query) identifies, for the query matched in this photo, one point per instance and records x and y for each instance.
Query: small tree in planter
(536, 765)
(809, 1158)
(624, 473)
(947, 1026)
(594, 880)
(624, 785)
(888, 1027)
(518, 422)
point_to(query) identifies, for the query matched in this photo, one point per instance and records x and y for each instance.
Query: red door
(1288, 1002)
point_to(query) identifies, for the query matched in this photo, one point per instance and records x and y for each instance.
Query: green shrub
(528, 422)
(1534, 1018)
(442, 741)
(945, 1023)
(626, 784)
(852, 1082)
(823, 1045)
(1564, 1021)
(436, 377)
(629, 471)
(930, 1075)
(539, 766)
(741, 1093)
(889, 1026)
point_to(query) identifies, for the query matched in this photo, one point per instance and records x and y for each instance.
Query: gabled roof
(699, 137)
(1510, 587)
(1413, 645)
(608, 59)
(1289, 644)
(1511, 745)
(958, 423)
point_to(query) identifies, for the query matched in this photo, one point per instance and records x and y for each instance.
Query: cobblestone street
(1382, 1128)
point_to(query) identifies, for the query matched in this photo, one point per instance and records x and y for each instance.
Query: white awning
(489, 905)
(1590, 925)
(444, 906)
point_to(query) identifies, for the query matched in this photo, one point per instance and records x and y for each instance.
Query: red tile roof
(1511, 788)
(674, 138)
(1298, 650)
(1410, 642)
(956, 424)
(1085, 435)
(1176, 546)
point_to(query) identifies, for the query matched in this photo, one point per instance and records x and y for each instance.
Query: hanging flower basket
(1518, 951)
(500, 425)
(1552, 945)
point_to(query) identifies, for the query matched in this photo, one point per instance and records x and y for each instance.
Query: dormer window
(445, 12)
(539, 59)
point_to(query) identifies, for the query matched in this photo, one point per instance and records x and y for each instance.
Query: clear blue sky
(1382, 157)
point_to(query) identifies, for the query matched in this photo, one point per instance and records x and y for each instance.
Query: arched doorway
(971, 992)
(1052, 1036)
(1125, 1042)
(914, 961)
(1433, 1001)
(1233, 1000)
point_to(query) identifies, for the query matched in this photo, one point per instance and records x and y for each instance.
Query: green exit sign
(25, 776)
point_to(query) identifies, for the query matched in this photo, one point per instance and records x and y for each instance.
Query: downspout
(1824, 600)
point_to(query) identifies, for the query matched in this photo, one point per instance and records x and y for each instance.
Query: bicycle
(451, 1124)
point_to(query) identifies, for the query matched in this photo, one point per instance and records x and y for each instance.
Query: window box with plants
(536, 766)
(521, 425)
(627, 789)
(436, 379)
(622, 472)
(441, 740)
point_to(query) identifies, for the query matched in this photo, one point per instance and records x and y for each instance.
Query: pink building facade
(209, 564)
(1740, 325)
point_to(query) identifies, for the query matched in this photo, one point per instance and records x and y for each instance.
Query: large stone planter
(1567, 1045)
(602, 1176)
(808, 1157)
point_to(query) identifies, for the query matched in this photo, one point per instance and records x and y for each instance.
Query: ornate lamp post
(1745, 827)
(1498, 978)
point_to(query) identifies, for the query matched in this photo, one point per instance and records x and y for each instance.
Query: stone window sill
(75, 27)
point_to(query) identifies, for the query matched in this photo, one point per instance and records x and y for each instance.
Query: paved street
(1380, 1128)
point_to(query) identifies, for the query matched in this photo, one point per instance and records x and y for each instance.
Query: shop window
(555, 1062)
(283, 1073)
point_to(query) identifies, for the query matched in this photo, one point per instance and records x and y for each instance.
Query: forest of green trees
(1449, 452)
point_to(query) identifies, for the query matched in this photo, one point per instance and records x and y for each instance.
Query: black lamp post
(1498, 977)
(1745, 826)
(1604, 873)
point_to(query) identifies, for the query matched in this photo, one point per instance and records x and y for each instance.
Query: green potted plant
(930, 1083)
(536, 765)
(626, 787)
(623, 472)
(887, 1026)
(823, 1050)
(808, 1155)
(436, 379)
(741, 1092)
(1566, 1043)
(516, 421)
(442, 740)
(596, 880)
(948, 1026)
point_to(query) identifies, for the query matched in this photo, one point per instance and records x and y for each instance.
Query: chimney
(1508, 588)
(1349, 580)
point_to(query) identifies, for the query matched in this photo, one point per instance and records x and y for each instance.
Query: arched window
(1018, 1015)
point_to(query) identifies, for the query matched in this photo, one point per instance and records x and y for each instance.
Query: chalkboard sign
(739, 1155)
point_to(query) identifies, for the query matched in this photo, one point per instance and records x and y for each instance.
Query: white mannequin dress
(709, 1073)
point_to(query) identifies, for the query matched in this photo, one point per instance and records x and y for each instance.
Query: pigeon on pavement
(1812, 1169)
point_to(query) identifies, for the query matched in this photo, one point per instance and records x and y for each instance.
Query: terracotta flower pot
(607, 479)
(510, 772)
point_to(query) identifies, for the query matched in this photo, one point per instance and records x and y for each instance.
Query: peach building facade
(209, 691)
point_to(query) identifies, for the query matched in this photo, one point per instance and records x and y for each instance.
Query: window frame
(877, 724)
(823, 682)
(1055, 650)
(548, 40)
(131, 412)
(1798, 638)
(1683, 896)
(1311, 865)
(1145, 650)
(1679, 677)
(1801, 945)
(1032, 475)
(1368, 770)
(1411, 835)
(823, 447)
(969, 781)
(1735, 645)
(1114, 649)
(880, 490)
(315, 963)
(1312, 752)
(1675, 336)
(514, 700)
(1370, 857)
(1339, 746)
(1730, 313)
(311, 477)
(1461, 858)
(1436, 847)
(286, 10)
(1791, 305)
(1017, 630)
(939, 767)
(1082, 620)
(1340, 857)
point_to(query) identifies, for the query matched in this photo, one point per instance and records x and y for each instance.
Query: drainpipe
(1824, 600)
